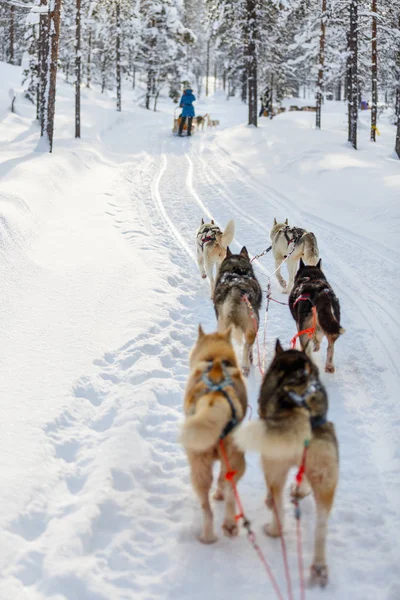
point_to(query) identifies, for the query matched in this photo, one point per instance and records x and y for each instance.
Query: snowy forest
(342, 49)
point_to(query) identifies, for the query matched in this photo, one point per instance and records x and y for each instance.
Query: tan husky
(211, 245)
(295, 241)
(293, 408)
(215, 402)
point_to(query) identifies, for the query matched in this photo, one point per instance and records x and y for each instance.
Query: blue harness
(220, 387)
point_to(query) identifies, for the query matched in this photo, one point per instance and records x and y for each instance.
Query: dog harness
(301, 400)
(220, 387)
(208, 234)
(297, 234)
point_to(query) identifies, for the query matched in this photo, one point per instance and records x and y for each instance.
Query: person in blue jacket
(186, 104)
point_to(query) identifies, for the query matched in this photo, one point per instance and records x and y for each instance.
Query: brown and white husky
(215, 402)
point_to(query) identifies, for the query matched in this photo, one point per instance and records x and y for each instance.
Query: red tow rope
(310, 331)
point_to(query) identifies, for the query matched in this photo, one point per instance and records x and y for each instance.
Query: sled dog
(237, 301)
(215, 402)
(212, 122)
(284, 238)
(311, 288)
(292, 409)
(211, 245)
(201, 121)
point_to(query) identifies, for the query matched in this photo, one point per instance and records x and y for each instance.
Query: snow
(101, 298)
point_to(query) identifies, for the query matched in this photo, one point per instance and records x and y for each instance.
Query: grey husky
(295, 243)
(237, 301)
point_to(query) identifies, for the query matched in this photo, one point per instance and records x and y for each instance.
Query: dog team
(292, 403)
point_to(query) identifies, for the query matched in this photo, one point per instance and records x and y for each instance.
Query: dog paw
(271, 529)
(230, 528)
(319, 575)
(207, 539)
(218, 495)
(286, 290)
(329, 369)
(246, 371)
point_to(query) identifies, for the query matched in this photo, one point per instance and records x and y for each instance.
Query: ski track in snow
(122, 520)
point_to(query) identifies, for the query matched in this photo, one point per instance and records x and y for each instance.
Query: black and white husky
(295, 243)
(211, 245)
(237, 301)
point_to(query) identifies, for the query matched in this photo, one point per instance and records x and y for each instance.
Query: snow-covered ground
(101, 299)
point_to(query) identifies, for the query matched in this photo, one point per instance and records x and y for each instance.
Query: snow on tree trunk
(43, 55)
(321, 65)
(78, 70)
(353, 73)
(251, 24)
(374, 74)
(89, 59)
(118, 53)
(50, 74)
(12, 35)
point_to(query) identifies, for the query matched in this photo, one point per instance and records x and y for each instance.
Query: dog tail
(311, 252)
(255, 437)
(326, 316)
(201, 431)
(228, 235)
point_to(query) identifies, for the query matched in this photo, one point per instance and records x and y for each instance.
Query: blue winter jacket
(186, 103)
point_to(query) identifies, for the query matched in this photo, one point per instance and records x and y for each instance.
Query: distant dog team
(293, 403)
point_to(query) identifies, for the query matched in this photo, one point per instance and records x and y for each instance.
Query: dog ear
(318, 265)
(278, 347)
(202, 221)
(244, 252)
(302, 265)
(287, 222)
(275, 221)
(212, 221)
(201, 332)
(228, 252)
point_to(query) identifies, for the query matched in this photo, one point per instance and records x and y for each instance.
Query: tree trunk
(338, 95)
(89, 59)
(149, 87)
(78, 69)
(252, 59)
(374, 74)
(224, 80)
(12, 35)
(244, 83)
(215, 77)
(43, 54)
(133, 77)
(118, 53)
(208, 65)
(353, 74)
(54, 36)
(321, 65)
(397, 147)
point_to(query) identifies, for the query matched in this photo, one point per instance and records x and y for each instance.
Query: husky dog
(237, 301)
(312, 289)
(292, 407)
(215, 402)
(201, 121)
(294, 241)
(211, 245)
(212, 122)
